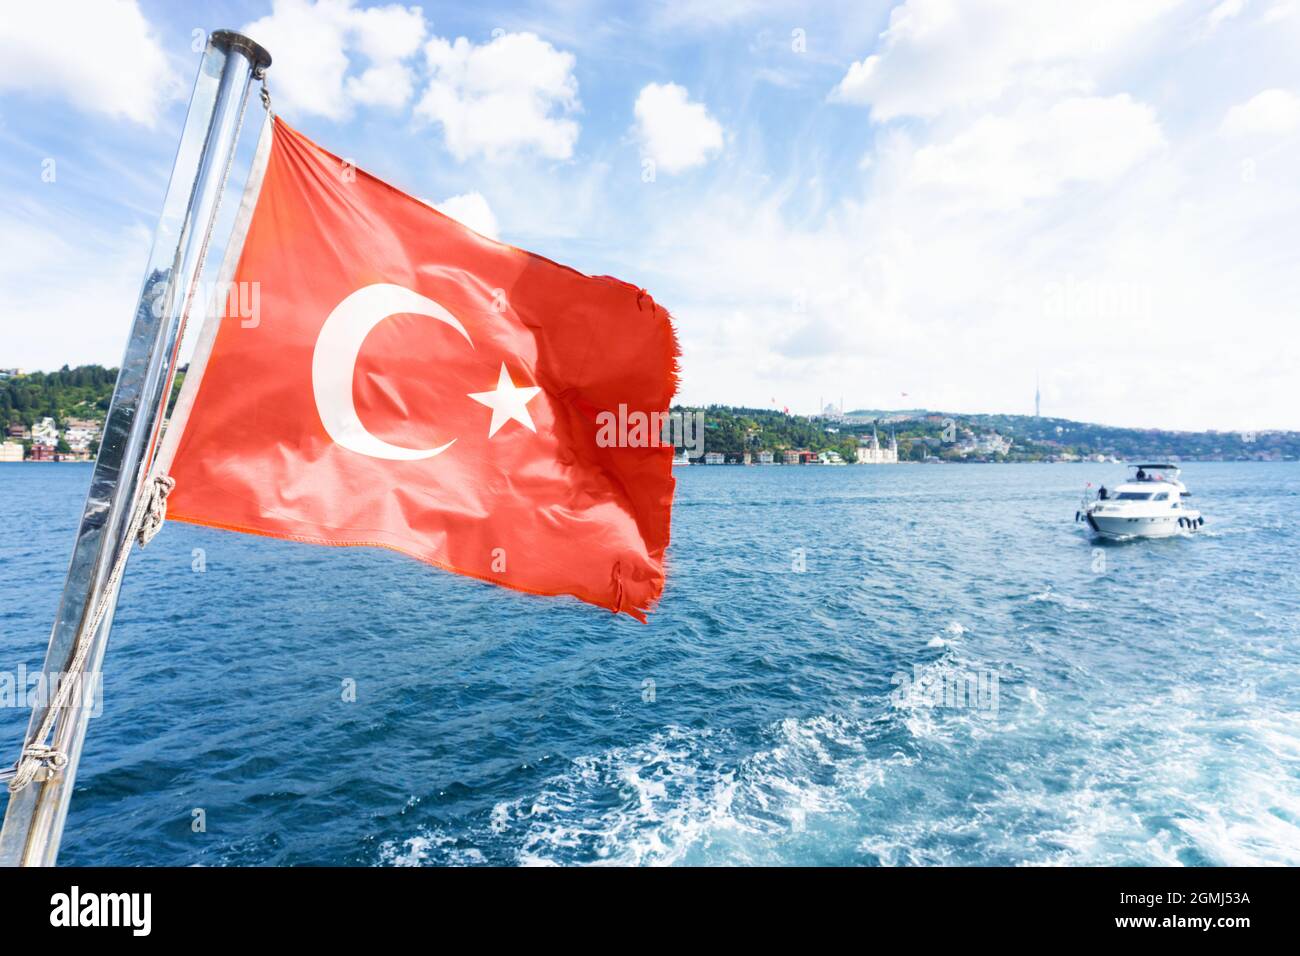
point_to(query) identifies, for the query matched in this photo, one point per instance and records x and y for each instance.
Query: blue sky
(834, 199)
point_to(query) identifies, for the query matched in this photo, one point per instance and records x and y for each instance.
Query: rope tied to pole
(153, 508)
(37, 755)
(260, 74)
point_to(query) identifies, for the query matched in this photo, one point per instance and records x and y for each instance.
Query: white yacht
(1153, 503)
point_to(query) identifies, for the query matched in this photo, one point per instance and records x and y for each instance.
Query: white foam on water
(1230, 806)
(1254, 818)
(1149, 783)
(1260, 839)
(939, 700)
(643, 804)
(675, 798)
(429, 847)
(1052, 596)
(1191, 775)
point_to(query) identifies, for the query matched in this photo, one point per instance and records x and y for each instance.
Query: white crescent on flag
(335, 358)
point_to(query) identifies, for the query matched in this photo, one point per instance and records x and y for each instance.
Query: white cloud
(501, 98)
(900, 288)
(388, 33)
(1226, 10)
(313, 42)
(1281, 11)
(940, 54)
(100, 54)
(80, 309)
(389, 85)
(676, 133)
(856, 87)
(1040, 218)
(471, 209)
(1270, 112)
(1033, 154)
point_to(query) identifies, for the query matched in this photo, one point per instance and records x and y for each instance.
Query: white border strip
(175, 426)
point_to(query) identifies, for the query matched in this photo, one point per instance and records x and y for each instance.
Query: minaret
(1038, 400)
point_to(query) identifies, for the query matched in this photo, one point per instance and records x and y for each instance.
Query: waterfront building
(990, 444)
(79, 433)
(44, 432)
(870, 452)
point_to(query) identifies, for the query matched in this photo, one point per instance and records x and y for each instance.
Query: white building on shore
(990, 444)
(45, 432)
(79, 433)
(870, 452)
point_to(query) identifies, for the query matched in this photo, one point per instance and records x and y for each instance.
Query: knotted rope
(145, 523)
(260, 74)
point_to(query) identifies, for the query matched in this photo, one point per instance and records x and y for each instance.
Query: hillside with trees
(949, 436)
(84, 392)
(81, 392)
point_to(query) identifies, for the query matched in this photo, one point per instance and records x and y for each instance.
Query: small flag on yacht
(410, 384)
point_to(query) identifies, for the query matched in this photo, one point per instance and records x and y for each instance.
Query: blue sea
(851, 666)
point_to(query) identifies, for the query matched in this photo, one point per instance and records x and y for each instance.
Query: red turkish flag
(409, 384)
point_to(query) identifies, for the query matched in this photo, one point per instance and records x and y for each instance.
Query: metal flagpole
(33, 823)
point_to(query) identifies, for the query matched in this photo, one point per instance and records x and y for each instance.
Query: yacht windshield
(1133, 496)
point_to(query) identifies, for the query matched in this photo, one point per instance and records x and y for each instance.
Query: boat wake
(914, 784)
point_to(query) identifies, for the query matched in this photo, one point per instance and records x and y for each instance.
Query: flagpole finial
(257, 54)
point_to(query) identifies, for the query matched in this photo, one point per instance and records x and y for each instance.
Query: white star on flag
(507, 402)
